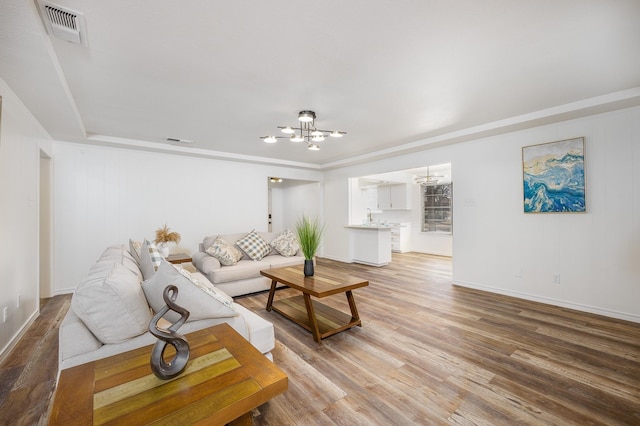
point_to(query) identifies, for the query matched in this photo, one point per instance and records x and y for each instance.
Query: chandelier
(428, 179)
(305, 132)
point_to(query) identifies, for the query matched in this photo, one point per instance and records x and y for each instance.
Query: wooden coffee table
(226, 377)
(321, 320)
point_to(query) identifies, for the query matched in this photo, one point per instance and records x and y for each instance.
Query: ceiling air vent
(64, 23)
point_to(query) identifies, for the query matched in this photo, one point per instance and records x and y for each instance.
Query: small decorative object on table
(161, 368)
(309, 235)
(163, 237)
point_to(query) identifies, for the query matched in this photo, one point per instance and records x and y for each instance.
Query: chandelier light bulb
(335, 134)
(270, 139)
(288, 130)
(297, 138)
(314, 147)
(317, 138)
(316, 133)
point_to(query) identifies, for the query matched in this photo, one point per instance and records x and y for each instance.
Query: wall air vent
(63, 23)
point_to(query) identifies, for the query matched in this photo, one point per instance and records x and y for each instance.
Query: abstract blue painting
(553, 177)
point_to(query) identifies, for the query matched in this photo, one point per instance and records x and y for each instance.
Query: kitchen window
(437, 204)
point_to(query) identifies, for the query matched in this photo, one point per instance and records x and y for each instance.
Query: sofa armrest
(74, 338)
(204, 262)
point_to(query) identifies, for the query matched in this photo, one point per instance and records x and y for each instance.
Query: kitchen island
(370, 244)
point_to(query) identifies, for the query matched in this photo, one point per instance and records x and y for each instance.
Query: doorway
(372, 200)
(289, 199)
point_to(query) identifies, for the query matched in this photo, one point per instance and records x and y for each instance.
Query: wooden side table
(178, 258)
(225, 379)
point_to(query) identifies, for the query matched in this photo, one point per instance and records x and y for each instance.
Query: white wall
(497, 247)
(21, 139)
(105, 196)
(302, 198)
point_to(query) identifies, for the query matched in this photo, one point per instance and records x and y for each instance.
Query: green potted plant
(309, 235)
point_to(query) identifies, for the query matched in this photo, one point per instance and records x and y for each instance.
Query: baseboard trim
(338, 259)
(552, 301)
(16, 338)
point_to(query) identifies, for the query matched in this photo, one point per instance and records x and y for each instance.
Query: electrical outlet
(18, 302)
(555, 278)
(4, 314)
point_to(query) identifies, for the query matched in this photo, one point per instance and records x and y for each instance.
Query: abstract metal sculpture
(169, 369)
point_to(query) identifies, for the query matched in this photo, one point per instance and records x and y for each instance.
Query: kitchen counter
(370, 244)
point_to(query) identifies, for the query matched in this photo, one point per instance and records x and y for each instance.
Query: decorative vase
(308, 267)
(163, 248)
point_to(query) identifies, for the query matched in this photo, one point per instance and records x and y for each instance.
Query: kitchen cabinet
(394, 197)
(370, 245)
(400, 234)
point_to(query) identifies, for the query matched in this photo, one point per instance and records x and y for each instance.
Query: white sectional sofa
(112, 307)
(244, 277)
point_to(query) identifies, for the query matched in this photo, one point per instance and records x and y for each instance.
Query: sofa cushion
(286, 243)
(150, 259)
(110, 302)
(224, 251)
(254, 246)
(198, 296)
(278, 261)
(122, 256)
(240, 271)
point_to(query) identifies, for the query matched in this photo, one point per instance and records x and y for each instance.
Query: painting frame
(553, 177)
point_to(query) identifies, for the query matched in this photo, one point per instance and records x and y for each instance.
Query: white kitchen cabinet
(394, 197)
(370, 245)
(400, 235)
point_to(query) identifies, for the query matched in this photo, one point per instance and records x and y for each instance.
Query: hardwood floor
(428, 353)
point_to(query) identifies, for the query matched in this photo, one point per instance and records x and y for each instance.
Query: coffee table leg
(312, 318)
(271, 293)
(352, 305)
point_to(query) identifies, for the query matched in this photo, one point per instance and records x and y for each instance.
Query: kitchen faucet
(369, 219)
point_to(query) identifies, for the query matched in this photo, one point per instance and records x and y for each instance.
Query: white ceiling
(396, 75)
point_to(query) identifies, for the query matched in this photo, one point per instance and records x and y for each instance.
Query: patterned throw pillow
(226, 253)
(286, 243)
(253, 244)
(149, 259)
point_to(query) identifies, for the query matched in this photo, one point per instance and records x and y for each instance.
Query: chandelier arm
(330, 131)
(307, 131)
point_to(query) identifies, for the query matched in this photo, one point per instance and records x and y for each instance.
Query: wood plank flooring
(428, 353)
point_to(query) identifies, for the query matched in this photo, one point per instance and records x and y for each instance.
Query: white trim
(586, 107)
(551, 301)
(195, 152)
(337, 259)
(9, 347)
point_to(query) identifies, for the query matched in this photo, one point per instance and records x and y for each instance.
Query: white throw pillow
(224, 251)
(253, 244)
(134, 248)
(286, 243)
(110, 302)
(201, 299)
(150, 259)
